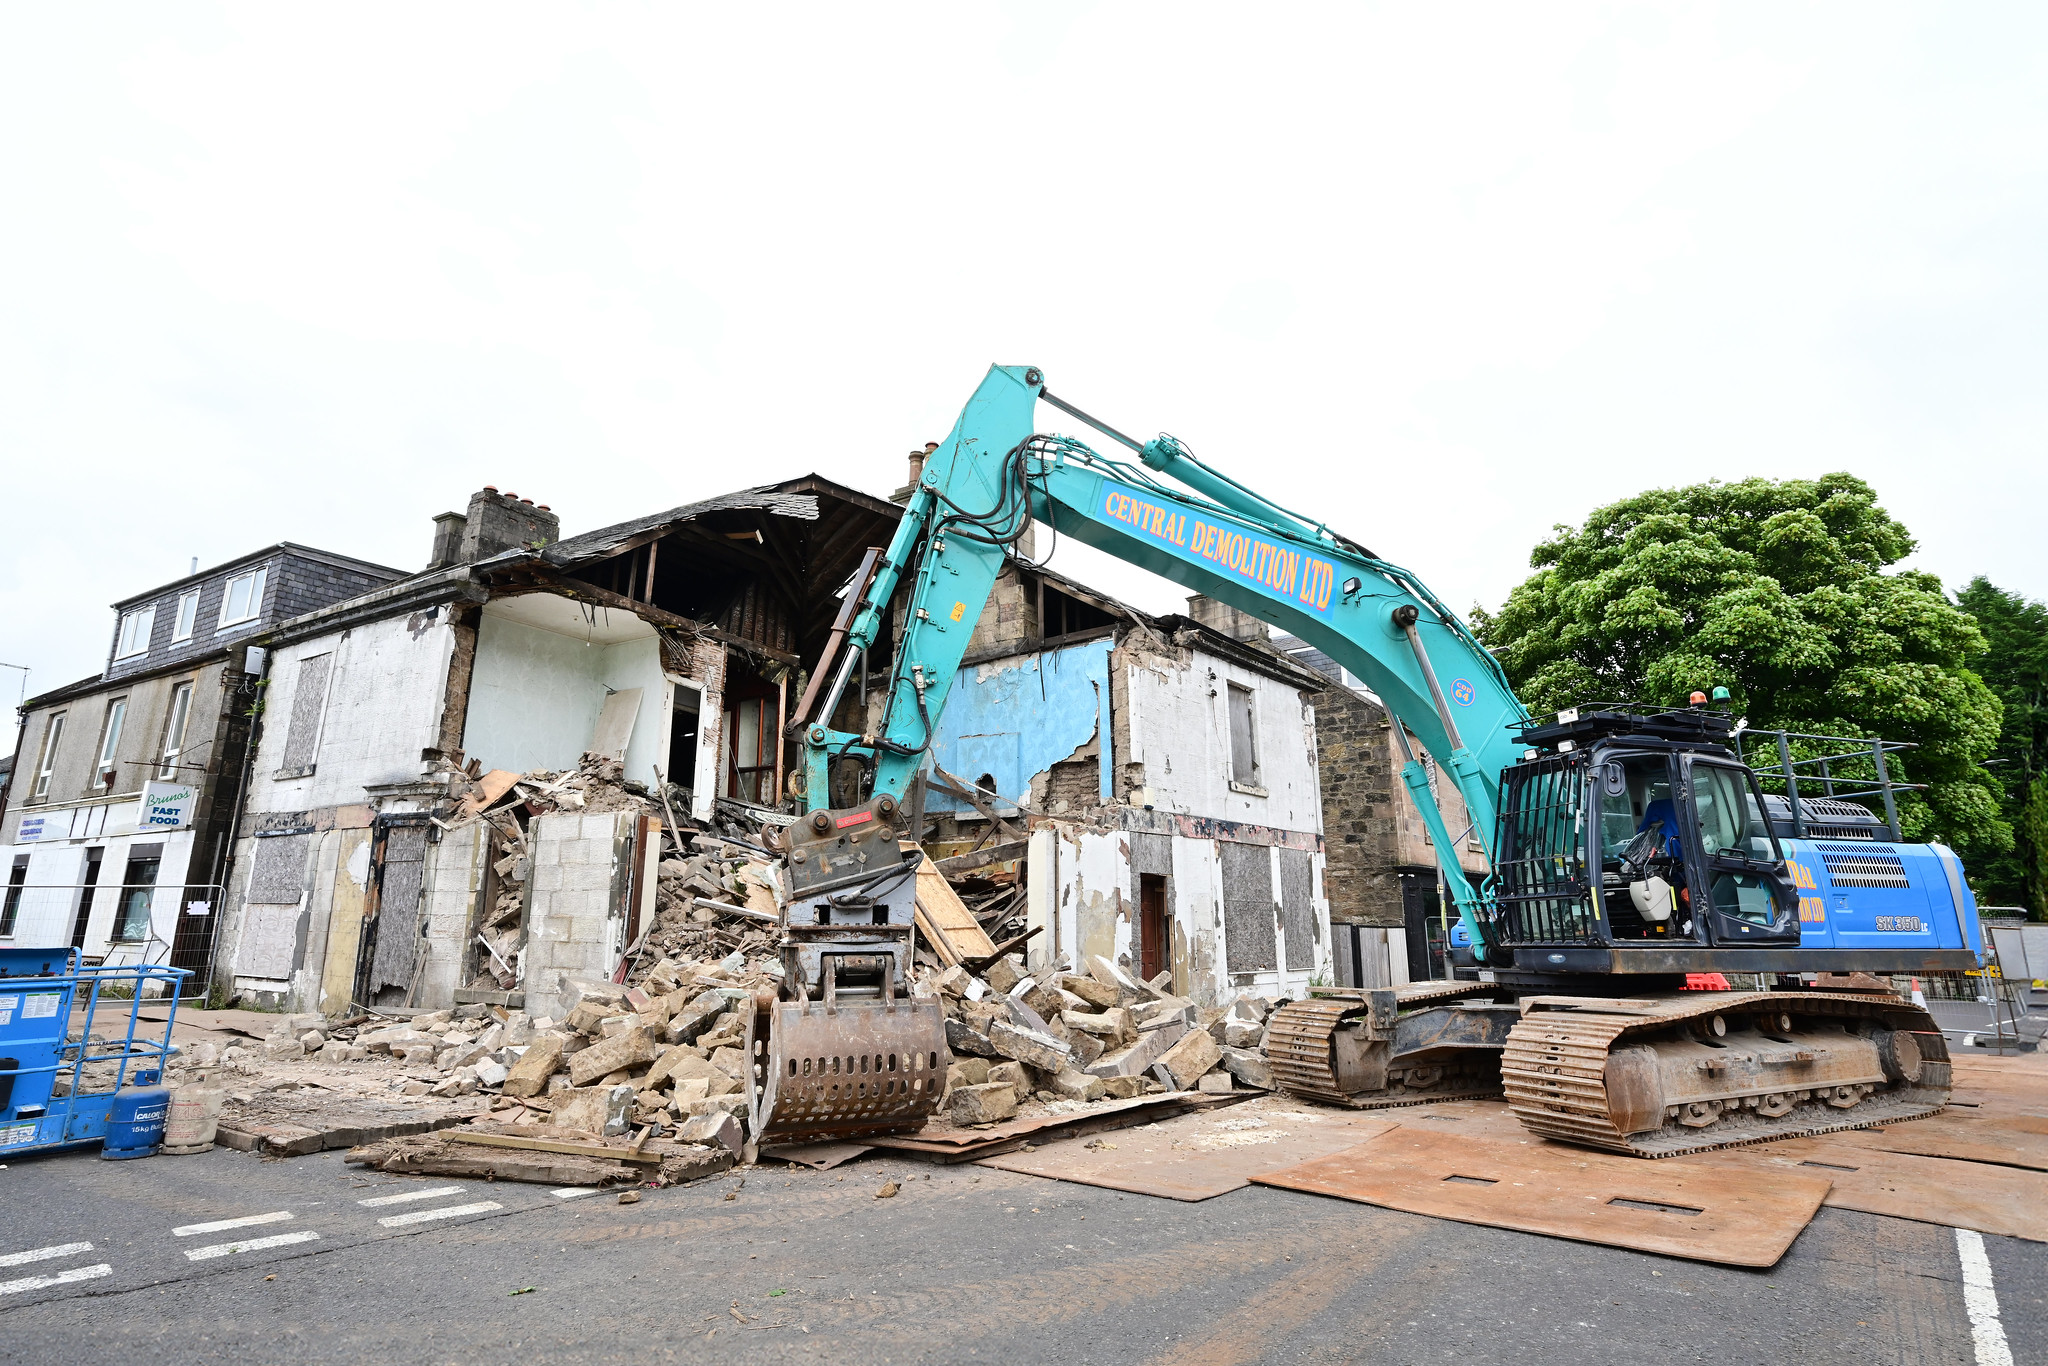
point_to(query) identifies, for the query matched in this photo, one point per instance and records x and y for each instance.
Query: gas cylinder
(135, 1123)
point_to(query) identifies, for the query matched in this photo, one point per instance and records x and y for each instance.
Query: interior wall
(535, 695)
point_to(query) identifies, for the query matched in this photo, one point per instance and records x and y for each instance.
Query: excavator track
(1660, 1077)
(1299, 1050)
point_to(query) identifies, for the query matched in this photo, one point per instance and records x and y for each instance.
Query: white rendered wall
(1180, 732)
(535, 695)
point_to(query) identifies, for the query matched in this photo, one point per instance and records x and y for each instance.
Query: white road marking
(43, 1254)
(201, 1254)
(223, 1225)
(76, 1273)
(420, 1216)
(1980, 1297)
(571, 1192)
(404, 1197)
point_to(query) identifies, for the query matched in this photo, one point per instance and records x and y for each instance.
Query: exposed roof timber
(555, 582)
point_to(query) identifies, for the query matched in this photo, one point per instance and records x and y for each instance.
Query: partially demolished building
(1150, 782)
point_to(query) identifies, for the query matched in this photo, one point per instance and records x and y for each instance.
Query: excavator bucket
(846, 1070)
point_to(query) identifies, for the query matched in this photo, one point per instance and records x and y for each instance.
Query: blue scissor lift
(42, 1052)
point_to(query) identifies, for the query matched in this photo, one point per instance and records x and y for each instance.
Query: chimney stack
(447, 539)
(1222, 617)
(496, 522)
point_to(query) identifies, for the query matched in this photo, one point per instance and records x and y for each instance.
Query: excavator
(1631, 850)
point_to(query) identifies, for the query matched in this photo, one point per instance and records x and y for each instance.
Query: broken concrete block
(1005, 973)
(1087, 1048)
(611, 1026)
(393, 1039)
(1217, 1082)
(1242, 1033)
(492, 1039)
(1099, 995)
(1248, 1067)
(732, 1062)
(1123, 1088)
(312, 1039)
(519, 1029)
(529, 1076)
(1072, 1085)
(975, 1070)
(1021, 1015)
(684, 1092)
(589, 1017)
(962, 1037)
(953, 981)
(1188, 1059)
(1133, 1059)
(1043, 997)
(690, 1023)
(1163, 983)
(986, 1104)
(466, 1055)
(419, 1056)
(1011, 1074)
(1028, 1045)
(717, 1128)
(490, 1073)
(632, 1048)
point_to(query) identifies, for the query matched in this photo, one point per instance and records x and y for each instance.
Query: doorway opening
(1155, 942)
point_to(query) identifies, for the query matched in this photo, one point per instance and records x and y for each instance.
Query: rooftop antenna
(24, 681)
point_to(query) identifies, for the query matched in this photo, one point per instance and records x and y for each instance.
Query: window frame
(124, 647)
(1241, 696)
(186, 622)
(111, 725)
(135, 893)
(17, 884)
(259, 580)
(177, 721)
(46, 762)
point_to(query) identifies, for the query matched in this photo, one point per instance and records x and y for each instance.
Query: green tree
(1776, 590)
(2015, 667)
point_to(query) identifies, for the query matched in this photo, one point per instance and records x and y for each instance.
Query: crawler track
(1555, 1069)
(1298, 1049)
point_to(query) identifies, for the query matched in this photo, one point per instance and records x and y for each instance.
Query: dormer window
(242, 600)
(134, 635)
(188, 616)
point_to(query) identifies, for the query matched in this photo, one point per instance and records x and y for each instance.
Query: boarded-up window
(1244, 747)
(278, 875)
(1248, 942)
(1297, 907)
(309, 699)
(397, 925)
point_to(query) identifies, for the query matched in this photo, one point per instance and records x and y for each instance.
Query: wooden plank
(489, 788)
(935, 937)
(1560, 1192)
(555, 1145)
(939, 904)
(982, 858)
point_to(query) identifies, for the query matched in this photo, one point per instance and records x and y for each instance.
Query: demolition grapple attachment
(845, 1051)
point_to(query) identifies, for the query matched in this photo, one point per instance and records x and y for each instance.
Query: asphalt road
(963, 1265)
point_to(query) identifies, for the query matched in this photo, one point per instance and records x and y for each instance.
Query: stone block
(1029, 1046)
(420, 1055)
(986, 1104)
(1072, 1085)
(1150, 1013)
(490, 1073)
(632, 1048)
(1005, 973)
(717, 1128)
(1242, 1033)
(1109, 974)
(691, 1089)
(1133, 1059)
(732, 1062)
(1021, 1015)
(953, 981)
(735, 1105)
(1191, 1057)
(285, 1050)
(1248, 1067)
(974, 1070)
(696, 1017)
(588, 1017)
(1087, 1048)
(963, 1038)
(594, 1109)
(1011, 1074)
(1113, 1026)
(535, 1065)
(1100, 995)
(1123, 1088)
(312, 1040)
(1218, 1083)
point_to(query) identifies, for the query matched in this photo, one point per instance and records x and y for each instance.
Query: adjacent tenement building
(116, 823)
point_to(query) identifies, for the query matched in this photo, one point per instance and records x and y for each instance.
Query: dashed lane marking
(201, 1254)
(223, 1225)
(44, 1254)
(421, 1216)
(571, 1192)
(407, 1196)
(76, 1273)
(1980, 1297)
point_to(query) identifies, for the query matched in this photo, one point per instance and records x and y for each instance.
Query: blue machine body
(66, 1078)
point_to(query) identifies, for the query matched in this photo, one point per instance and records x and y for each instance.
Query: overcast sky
(1443, 275)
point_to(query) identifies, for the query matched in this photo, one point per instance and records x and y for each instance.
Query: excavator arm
(994, 472)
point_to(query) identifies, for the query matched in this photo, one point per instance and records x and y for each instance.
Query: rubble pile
(715, 900)
(1097, 1035)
